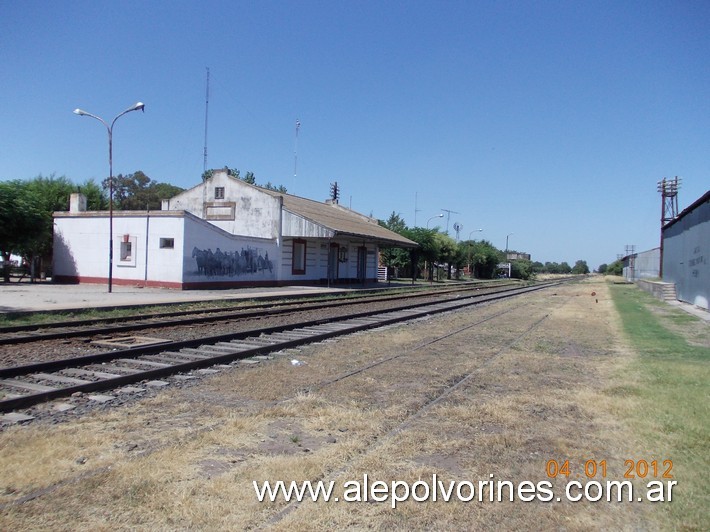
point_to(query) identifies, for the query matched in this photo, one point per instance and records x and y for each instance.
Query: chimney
(77, 202)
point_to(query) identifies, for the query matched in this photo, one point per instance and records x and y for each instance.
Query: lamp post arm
(139, 106)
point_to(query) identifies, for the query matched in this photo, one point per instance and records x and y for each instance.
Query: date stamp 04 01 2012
(634, 469)
(657, 491)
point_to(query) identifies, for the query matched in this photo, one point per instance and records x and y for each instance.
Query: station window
(127, 248)
(218, 192)
(127, 251)
(167, 243)
(299, 257)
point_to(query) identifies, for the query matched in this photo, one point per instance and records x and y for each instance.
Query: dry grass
(560, 391)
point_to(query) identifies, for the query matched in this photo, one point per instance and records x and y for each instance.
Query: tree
(485, 258)
(393, 257)
(565, 268)
(136, 191)
(232, 172)
(159, 191)
(26, 222)
(96, 197)
(521, 269)
(446, 251)
(427, 252)
(248, 178)
(275, 188)
(13, 212)
(602, 268)
(615, 268)
(580, 267)
(552, 267)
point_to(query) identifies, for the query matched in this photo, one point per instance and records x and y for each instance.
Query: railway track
(20, 334)
(25, 386)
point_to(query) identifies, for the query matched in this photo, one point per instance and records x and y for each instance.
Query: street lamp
(140, 106)
(430, 219)
(470, 255)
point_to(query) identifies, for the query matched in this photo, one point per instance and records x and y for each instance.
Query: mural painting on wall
(232, 263)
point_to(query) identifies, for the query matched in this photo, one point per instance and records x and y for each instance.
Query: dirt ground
(513, 386)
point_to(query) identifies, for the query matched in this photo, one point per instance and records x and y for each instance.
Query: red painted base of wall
(207, 285)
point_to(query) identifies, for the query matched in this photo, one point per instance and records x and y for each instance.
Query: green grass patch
(674, 418)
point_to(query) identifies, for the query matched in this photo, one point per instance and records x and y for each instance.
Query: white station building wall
(81, 251)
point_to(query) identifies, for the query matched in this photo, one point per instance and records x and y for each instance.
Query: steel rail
(67, 329)
(246, 345)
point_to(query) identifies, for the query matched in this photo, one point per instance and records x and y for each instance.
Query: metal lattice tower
(669, 209)
(669, 199)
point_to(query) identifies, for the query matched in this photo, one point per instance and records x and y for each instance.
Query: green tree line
(247, 178)
(26, 207)
(438, 255)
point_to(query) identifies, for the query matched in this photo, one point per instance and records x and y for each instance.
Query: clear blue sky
(549, 120)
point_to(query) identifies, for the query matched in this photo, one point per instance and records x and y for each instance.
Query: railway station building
(221, 233)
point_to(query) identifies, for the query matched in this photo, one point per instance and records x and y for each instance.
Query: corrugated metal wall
(645, 265)
(686, 255)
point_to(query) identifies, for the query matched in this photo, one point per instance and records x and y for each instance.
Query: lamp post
(441, 215)
(474, 231)
(431, 270)
(470, 262)
(140, 106)
(506, 253)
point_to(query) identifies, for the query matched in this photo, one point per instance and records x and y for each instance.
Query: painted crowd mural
(218, 263)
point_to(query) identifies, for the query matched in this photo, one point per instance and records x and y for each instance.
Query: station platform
(25, 297)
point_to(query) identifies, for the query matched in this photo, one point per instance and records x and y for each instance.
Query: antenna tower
(416, 210)
(207, 103)
(669, 199)
(334, 192)
(448, 215)
(669, 208)
(295, 154)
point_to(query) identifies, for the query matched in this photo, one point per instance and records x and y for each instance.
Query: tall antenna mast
(207, 104)
(295, 155)
(416, 210)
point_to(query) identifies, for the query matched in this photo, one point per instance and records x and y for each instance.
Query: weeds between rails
(176, 357)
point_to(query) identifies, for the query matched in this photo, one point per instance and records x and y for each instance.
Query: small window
(167, 243)
(127, 251)
(127, 248)
(218, 192)
(299, 257)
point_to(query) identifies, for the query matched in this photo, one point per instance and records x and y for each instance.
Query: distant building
(686, 252)
(222, 233)
(643, 265)
(517, 256)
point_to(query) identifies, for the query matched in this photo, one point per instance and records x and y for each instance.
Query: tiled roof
(341, 220)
